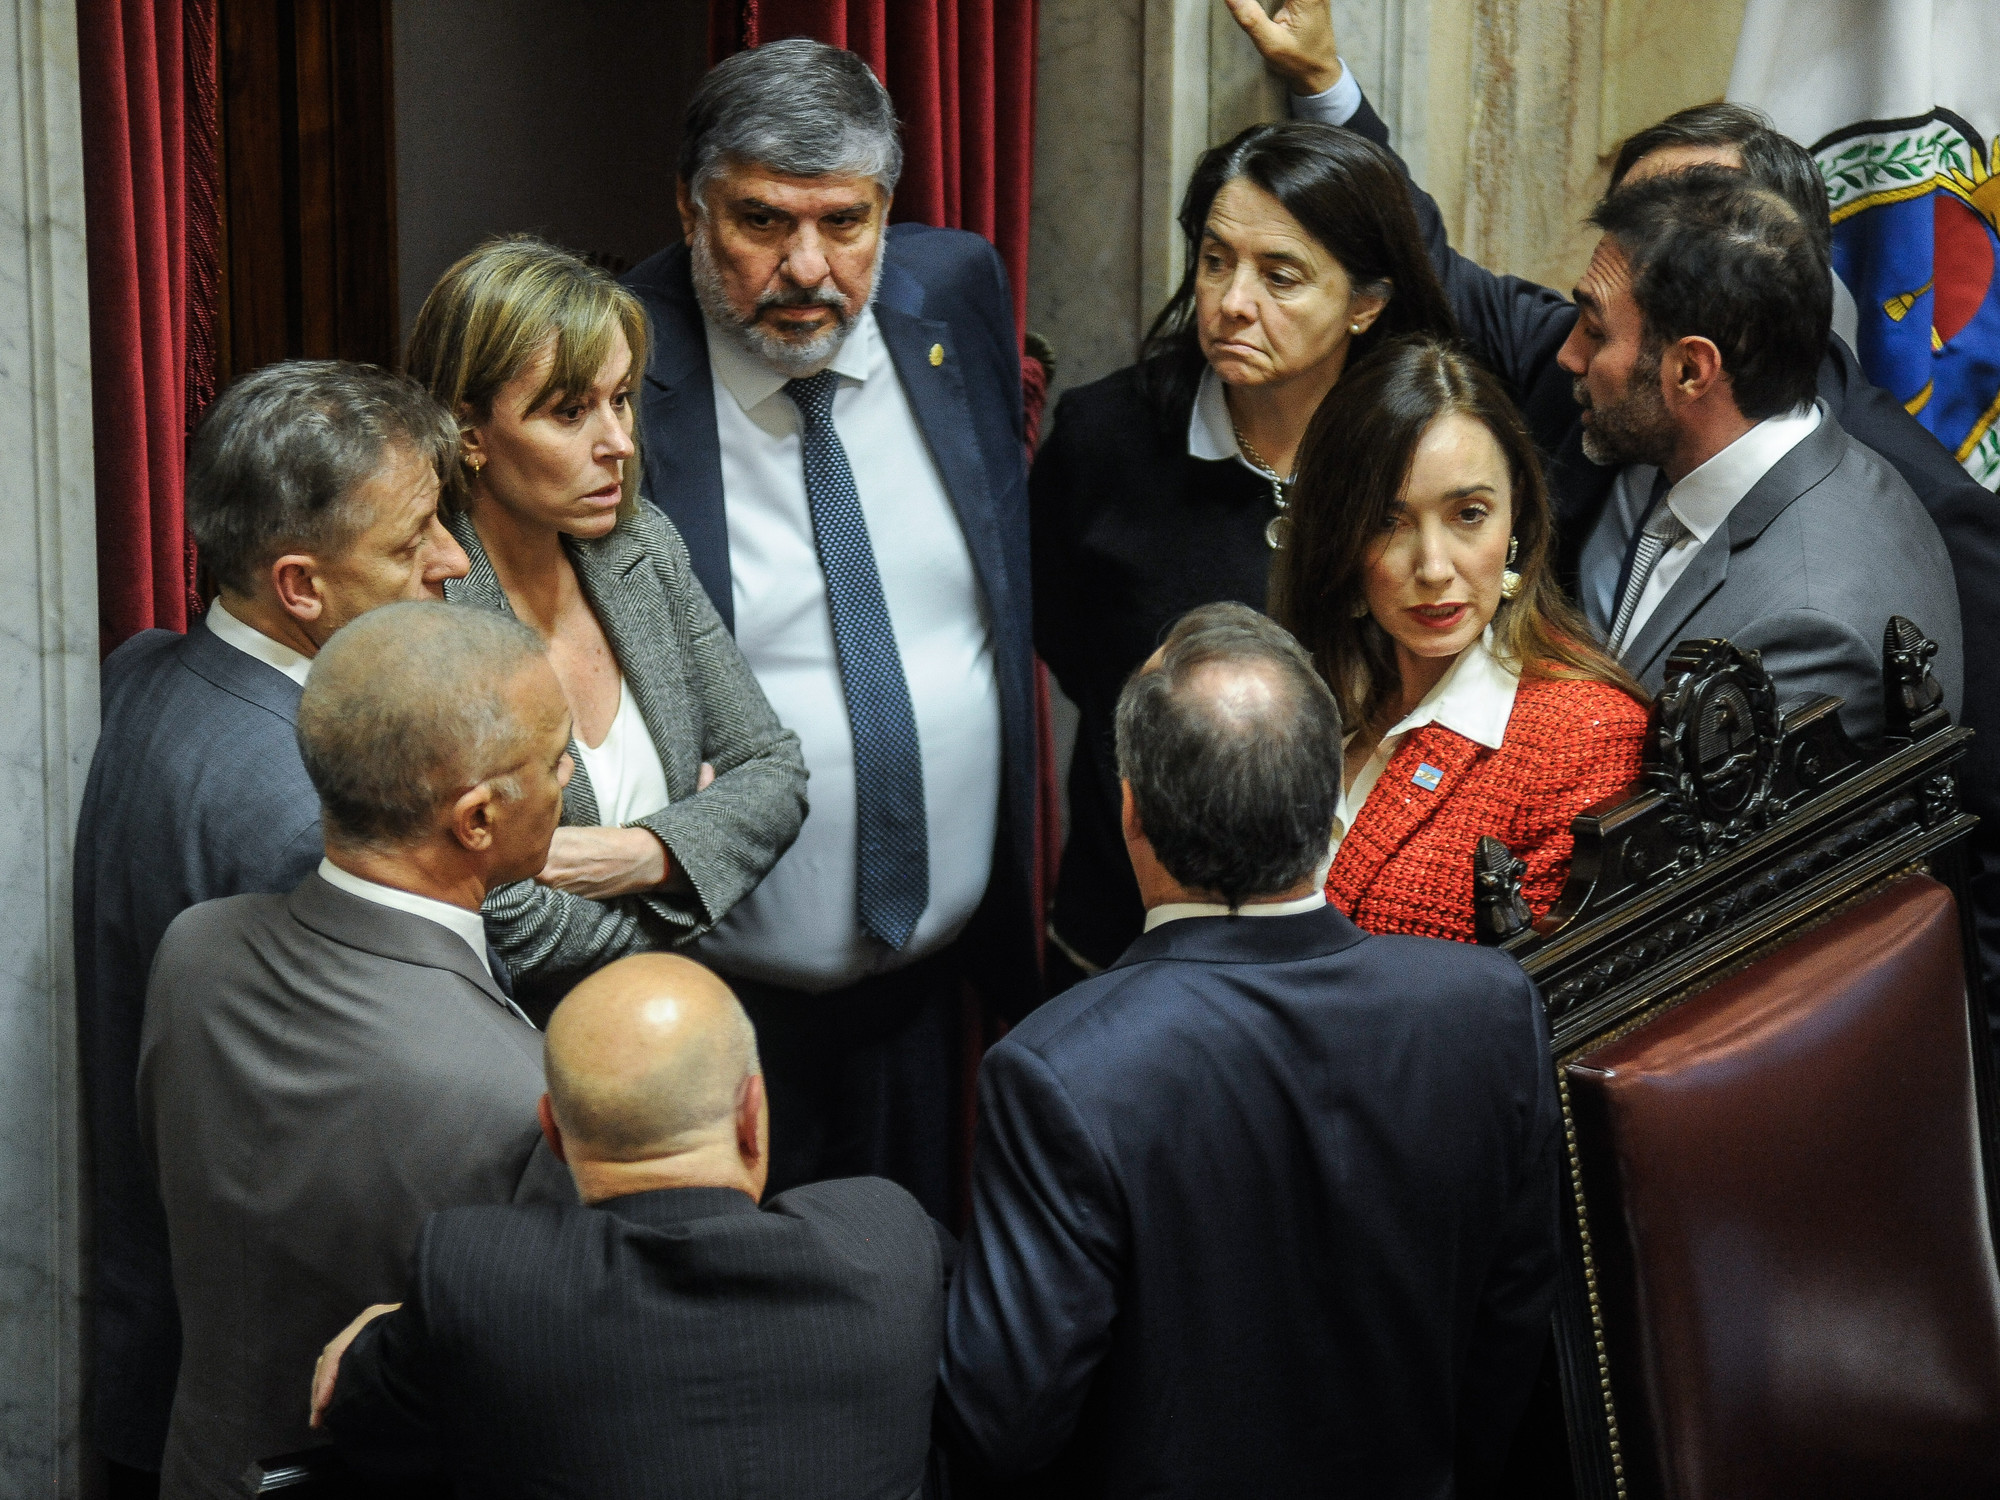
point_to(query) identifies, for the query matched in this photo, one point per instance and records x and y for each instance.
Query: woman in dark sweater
(1163, 486)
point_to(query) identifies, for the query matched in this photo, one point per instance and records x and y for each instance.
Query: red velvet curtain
(962, 73)
(148, 96)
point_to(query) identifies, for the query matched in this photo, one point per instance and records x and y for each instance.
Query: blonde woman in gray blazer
(686, 788)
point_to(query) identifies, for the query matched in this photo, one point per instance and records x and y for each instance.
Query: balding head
(410, 705)
(1230, 744)
(653, 1073)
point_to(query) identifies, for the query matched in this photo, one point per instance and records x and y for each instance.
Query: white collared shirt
(1211, 433)
(1702, 502)
(801, 927)
(467, 924)
(251, 641)
(1174, 911)
(1474, 698)
(1334, 106)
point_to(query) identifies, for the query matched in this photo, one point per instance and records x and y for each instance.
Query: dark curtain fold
(147, 69)
(962, 73)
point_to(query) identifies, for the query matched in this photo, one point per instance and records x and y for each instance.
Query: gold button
(937, 355)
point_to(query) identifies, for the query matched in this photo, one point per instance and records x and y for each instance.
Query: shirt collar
(467, 924)
(1704, 499)
(1175, 911)
(1211, 435)
(752, 382)
(1474, 698)
(252, 642)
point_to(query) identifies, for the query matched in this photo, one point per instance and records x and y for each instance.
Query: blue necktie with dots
(892, 840)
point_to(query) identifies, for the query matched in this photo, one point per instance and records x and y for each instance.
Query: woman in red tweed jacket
(1416, 572)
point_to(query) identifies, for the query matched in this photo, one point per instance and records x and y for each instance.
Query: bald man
(670, 1337)
(319, 1071)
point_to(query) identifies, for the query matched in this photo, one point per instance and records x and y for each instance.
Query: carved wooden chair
(1776, 1075)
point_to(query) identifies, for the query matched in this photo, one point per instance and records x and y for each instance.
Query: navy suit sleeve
(1036, 1286)
(1512, 1323)
(382, 1417)
(1515, 326)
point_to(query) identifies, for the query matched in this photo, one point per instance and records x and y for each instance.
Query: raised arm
(1515, 326)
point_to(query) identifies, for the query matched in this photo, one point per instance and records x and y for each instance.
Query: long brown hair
(1353, 465)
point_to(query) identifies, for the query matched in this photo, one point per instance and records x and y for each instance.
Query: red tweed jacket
(1406, 864)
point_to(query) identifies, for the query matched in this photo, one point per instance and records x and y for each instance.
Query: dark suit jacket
(196, 791)
(1130, 532)
(1518, 328)
(1267, 1209)
(939, 288)
(700, 703)
(679, 1342)
(317, 1075)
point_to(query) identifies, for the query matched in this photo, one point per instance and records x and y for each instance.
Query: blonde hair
(494, 312)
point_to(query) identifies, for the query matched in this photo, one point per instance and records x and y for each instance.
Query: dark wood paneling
(309, 181)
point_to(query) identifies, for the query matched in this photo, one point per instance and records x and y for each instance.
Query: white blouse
(625, 770)
(1474, 698)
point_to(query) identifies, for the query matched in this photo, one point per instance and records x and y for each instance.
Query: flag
(1899, 103)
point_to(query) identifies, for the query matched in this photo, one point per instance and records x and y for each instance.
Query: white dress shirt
(801, 927)
(625, 771)
(467, 924)
(253, 642)
(1211, 433)
(1334, 106)
(1701, 502)
(1474, 698)
(1174, 911)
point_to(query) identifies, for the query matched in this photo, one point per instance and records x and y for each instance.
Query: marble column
(48, 718)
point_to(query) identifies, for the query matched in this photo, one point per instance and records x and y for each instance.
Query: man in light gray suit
(312, 492)
(320, 1071)
(1744, 512)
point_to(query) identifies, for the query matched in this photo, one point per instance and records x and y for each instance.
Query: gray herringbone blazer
(700, 703)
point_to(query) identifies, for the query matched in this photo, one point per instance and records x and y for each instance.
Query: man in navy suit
(1269, 1206)
(312, 493)
(832, 418)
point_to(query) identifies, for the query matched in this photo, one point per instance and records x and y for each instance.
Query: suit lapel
(936, 392)
(1398, 805)
(1805, 466)
(399, 936)
(681, 456)
(214, 660)
(638, 642)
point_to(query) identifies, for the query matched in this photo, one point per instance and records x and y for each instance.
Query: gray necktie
(1662, 529)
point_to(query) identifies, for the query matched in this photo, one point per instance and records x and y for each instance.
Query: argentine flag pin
(1428, 776)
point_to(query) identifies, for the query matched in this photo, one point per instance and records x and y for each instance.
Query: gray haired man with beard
(833, 420)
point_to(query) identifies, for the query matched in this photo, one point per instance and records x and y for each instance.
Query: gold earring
(472, 461)
(1510, 581)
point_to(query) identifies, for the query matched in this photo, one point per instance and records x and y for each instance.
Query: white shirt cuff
(1335, 106)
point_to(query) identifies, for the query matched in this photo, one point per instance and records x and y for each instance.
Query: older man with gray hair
(833, 421)
(319, 1071)
(312, 492)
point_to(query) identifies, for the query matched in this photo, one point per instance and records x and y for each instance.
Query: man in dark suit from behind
(312, 492)
(1268, 1207)
(320, 1071)
(670, 1337)
(832, 419)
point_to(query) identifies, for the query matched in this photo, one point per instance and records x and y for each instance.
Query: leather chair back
(1786, 1221)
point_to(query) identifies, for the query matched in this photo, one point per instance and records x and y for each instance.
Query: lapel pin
(1428, 776)
(937, 355)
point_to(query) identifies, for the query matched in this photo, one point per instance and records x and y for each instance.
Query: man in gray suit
(1748, 514)
(319, 1071)
(312, 493)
